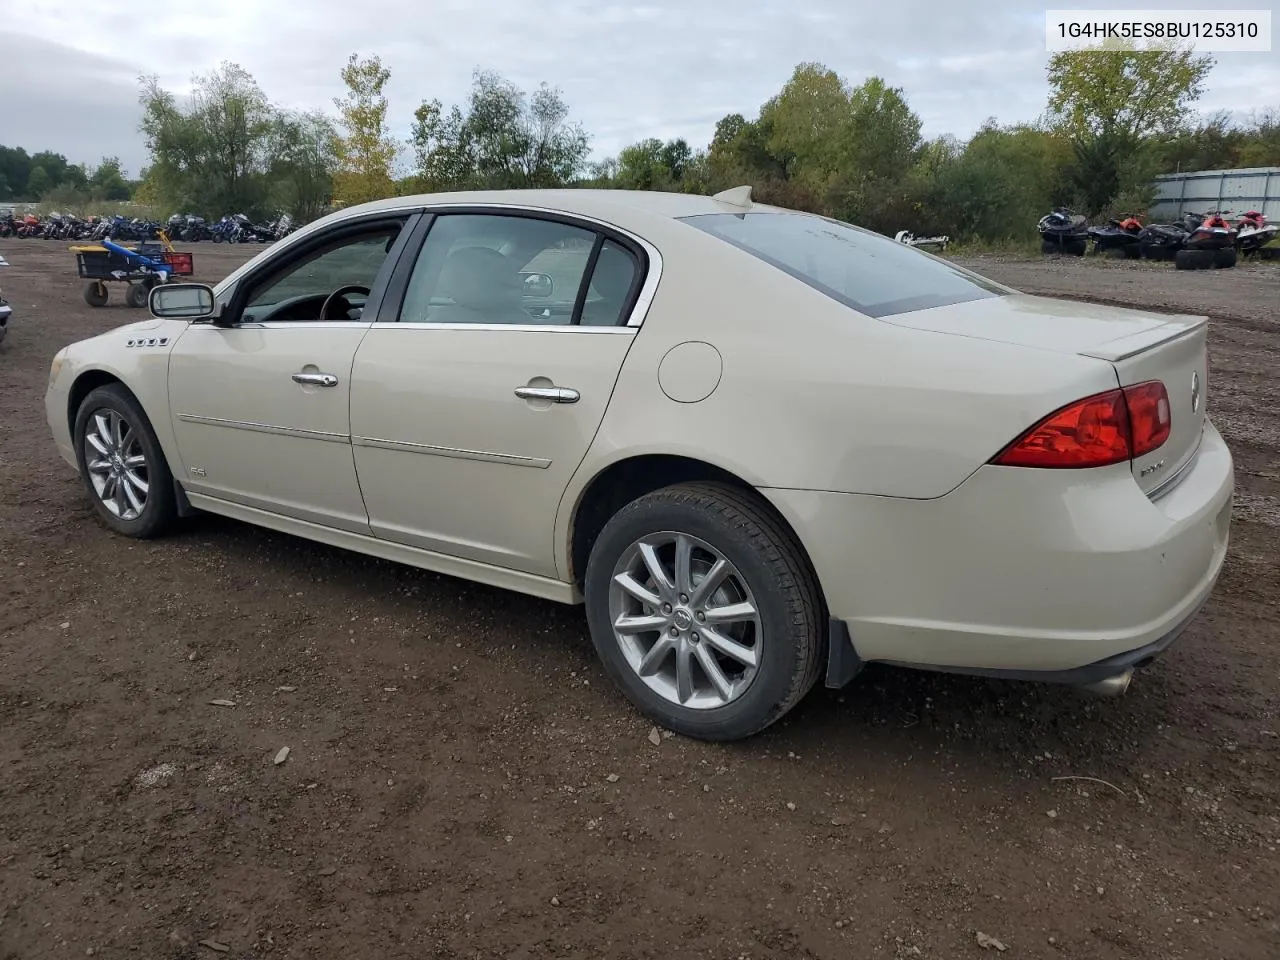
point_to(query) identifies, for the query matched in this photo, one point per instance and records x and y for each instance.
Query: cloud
(661, 68)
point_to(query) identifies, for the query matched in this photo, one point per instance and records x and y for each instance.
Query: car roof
(602, 203)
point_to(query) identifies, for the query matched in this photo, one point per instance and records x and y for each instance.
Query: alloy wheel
(117, 464)
(686, 620)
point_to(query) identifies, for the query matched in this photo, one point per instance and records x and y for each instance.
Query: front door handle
(316, 379)
(554, 394)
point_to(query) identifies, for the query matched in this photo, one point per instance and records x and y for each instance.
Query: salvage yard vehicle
(762, 447)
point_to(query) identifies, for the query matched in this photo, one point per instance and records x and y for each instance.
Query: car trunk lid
(1140, 345)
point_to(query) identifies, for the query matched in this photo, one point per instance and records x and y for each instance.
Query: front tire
(704, 610)
(122, 465)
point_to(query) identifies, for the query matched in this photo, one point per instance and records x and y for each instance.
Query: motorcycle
(1063, 231)
(1119, 238)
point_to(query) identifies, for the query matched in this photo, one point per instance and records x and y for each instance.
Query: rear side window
(864, 270)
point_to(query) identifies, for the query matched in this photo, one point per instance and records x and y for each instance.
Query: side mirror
(537, 285)
(186, 301)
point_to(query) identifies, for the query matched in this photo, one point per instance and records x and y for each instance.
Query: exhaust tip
(1111, 686)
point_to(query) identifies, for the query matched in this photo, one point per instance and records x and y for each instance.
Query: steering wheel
(340, 294)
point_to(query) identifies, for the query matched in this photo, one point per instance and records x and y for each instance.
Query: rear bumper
(1061, 575)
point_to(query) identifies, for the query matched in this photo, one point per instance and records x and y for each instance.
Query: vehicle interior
(515, 270)
(330, 284)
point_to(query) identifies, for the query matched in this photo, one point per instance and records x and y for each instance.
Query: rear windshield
(864, 270)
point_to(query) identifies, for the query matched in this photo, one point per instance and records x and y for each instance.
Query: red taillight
(1097, 431)
(1149, 417)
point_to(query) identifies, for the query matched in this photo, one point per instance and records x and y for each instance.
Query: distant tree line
(1114, 119)
(50, 176)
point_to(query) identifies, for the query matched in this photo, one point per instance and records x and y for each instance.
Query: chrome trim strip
(519, 327)
(266, 428)
(1172, 480)
(457, 453)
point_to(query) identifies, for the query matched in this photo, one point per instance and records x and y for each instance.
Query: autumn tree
(502, 138)
(364, 150)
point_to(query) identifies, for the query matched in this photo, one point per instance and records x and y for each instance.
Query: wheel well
(630, 479)
(87, 382)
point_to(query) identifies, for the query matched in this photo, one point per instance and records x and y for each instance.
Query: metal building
(1237, 191)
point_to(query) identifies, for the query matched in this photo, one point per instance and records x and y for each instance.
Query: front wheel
(122, 465)
(704, 610)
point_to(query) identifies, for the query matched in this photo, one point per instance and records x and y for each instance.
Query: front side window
(502, 269)
(300, 289)
(864, 270)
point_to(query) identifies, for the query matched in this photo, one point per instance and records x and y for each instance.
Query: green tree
(38, 183)
(1112, 104)
(654, 165)
(1130, 94)
(55, 166)
(303, 162)
(1260, 146)
(107, 181)
(504, 138)
(15, 167)
(210, 156)
(364, 150)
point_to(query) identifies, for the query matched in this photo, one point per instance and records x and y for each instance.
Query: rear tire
(143, 472)
(767, 572)
(1225, 258)
(95, 293)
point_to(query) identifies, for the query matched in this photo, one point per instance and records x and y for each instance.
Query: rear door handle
(316, 379)
(554, 394)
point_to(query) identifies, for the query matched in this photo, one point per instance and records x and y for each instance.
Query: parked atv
(1119, 238)
(1063, 232)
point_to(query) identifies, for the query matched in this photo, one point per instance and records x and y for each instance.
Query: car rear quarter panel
(814, 395)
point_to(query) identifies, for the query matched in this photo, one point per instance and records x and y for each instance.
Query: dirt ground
(463, 782)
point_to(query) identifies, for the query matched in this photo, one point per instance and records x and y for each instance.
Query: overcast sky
(666, 68)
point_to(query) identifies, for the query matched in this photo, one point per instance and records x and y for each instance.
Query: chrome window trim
(647, 291)
(521, 327)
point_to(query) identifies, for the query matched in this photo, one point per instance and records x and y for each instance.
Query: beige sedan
(764, 447)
